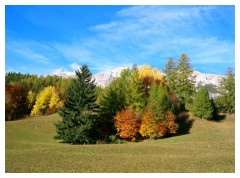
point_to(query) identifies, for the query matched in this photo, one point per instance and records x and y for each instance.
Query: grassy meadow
(30, 147)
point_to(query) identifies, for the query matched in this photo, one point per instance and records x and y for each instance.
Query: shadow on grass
(219, 117)
(185, 124)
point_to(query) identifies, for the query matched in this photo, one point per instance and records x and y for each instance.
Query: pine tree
(202, 104)
(226, 100)
(80, 111)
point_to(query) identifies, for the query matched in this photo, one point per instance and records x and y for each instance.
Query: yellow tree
(31, 99)
(46, 99)
(148, 126)
(148, 75)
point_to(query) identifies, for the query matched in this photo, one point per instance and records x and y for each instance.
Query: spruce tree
(202, 104)
(80, 111)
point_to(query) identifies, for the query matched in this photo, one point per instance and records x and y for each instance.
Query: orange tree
(127, 124)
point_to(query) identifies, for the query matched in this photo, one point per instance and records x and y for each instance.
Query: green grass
(209, 147)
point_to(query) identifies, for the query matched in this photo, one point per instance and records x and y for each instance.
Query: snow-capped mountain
(104, 79)
(203, 79)
(211, 81)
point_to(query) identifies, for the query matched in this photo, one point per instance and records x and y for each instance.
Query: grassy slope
(30, 147)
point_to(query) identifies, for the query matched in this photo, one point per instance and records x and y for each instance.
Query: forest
(143, 103)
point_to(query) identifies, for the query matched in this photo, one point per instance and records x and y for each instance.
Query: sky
(47, 40)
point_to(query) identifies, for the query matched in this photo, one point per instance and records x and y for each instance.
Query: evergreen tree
(80, 111)
(202, 104)
(226, 100)
(110, 103)
(170, 75)
(159, 102)
(135, 91)
(179, 77)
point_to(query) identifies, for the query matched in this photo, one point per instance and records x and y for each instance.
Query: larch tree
(170, 74)
(180, 78)
(80, 111)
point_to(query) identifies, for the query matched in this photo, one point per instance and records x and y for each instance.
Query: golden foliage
(146, 73)
(47, 98)
(148, 126)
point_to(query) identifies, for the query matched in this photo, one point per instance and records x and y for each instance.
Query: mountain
(104, 79)
(211, 81)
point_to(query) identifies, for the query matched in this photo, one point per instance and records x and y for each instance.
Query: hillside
(209, 147)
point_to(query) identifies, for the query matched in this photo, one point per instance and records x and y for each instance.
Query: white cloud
(63, 72)
(107, 26)
(75, 66)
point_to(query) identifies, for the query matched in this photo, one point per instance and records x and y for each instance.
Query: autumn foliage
(148, 127)
(16, 103)
(127, 124)
(146, 73)
(151, 128)
(148, 76)
(170, 124)
(47, 99)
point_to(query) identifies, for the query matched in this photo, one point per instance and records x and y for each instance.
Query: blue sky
(51, 39)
